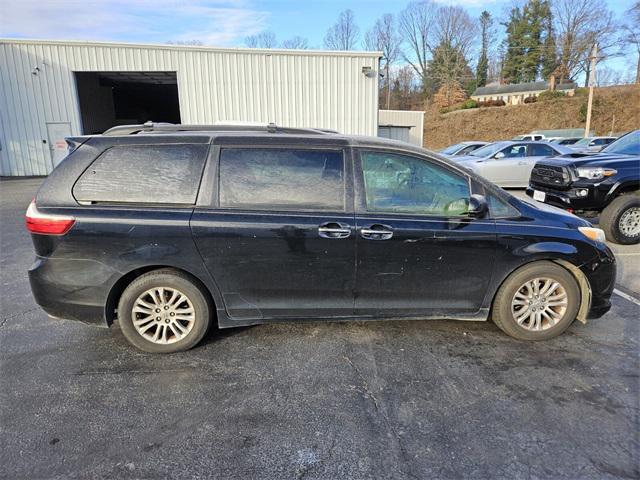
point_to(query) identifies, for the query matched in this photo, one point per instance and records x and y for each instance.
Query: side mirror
(478, 206)
(499, 155)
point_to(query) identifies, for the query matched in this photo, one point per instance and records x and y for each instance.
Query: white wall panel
(405, 118)
(292, 88)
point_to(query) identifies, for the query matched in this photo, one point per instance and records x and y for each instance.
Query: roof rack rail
(149, 127)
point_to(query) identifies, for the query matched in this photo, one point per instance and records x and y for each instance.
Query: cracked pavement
(398, 399)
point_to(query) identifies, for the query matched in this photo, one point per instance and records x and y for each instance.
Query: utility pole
(592, 80)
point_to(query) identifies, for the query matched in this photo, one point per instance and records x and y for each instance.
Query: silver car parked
(591, 144)
(509, 163)
(462, 148)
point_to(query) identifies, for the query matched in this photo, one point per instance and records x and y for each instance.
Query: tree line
(428, 48)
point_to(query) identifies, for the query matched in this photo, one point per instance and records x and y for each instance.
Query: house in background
(515, 94)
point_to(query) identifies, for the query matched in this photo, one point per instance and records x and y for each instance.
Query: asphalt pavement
(402, 399)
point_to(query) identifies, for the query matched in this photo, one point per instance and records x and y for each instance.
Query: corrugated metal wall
(292, 88)
(405, 118)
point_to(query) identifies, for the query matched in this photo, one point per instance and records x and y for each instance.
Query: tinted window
(451, 149)
(498, 208)
(281, 179)
(168, 174)
(488, 150)
(516, 151)
(404, 184)
(538, 150)
(628, 144)
(468, 150)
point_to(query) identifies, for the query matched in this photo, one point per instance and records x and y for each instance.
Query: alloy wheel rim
(539, 304)
(163, 315)
(629, 222)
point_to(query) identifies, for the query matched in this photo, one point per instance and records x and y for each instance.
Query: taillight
(45, 224)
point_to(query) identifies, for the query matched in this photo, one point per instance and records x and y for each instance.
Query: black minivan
(168, 228)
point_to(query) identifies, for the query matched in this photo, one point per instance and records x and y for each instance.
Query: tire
(557, 322)
(622, 211)
(168, 302)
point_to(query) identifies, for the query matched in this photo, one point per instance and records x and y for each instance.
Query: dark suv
(605, 184)
(170, 228)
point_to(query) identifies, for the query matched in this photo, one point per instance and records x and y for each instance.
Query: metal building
(405, 125)
(53, 89)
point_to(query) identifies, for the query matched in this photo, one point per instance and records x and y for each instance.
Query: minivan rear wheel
(537, 302)
(164, 311)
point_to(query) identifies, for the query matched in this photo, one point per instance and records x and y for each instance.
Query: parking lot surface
(403, 399)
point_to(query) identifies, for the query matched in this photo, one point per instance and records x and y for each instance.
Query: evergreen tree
(530, 43)
(483, 62)
(532, 17)
(549, 60)
(448, 67)
(515, 47)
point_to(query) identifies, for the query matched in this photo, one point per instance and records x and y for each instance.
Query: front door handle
(377, 231)
(334, 230)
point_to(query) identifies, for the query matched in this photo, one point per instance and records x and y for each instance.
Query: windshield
(452, 149)
(628, 144)
(488, 150)
(583, 141)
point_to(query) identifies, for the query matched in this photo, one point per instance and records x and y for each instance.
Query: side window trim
(360, 200)
(215, 203)
(208, 191)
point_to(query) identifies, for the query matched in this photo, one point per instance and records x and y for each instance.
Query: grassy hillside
(615, 109)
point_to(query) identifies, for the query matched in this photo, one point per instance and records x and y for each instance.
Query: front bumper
(601, 275)
(586, 197)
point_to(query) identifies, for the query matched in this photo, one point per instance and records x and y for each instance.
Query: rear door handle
(377, 231)
(334, 230)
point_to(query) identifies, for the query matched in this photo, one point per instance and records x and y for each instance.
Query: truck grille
(550, 175)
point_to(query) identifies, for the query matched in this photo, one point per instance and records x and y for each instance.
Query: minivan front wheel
(164, 311)
(537, 302)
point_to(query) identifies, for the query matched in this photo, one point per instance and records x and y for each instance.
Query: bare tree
(296, 43)
(416, 23)
(447, 32)
(455, 32)
(608, 76)
(384, 37)
(343, 35)
(196, 43)
(403, 87)
(580, 24)
(261, 40)
(631, 35)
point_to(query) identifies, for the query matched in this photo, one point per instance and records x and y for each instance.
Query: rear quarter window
(150, 174)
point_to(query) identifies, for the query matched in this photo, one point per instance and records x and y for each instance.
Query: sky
(213, 22)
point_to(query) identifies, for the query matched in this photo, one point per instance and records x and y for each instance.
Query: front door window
(403, 184)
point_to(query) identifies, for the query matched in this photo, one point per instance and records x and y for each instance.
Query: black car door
(278, 236)
(418, 252)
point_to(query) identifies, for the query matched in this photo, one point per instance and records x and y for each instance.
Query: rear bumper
(72, 289)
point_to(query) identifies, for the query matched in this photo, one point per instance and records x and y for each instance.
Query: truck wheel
(536, 302)
(621, 219)
(164, 311)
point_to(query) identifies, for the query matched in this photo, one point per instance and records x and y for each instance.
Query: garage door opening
(108, 99)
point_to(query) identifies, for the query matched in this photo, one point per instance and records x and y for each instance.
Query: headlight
(596, 173)
(594, 234)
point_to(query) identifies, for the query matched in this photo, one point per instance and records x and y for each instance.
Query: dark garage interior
(120, 98)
